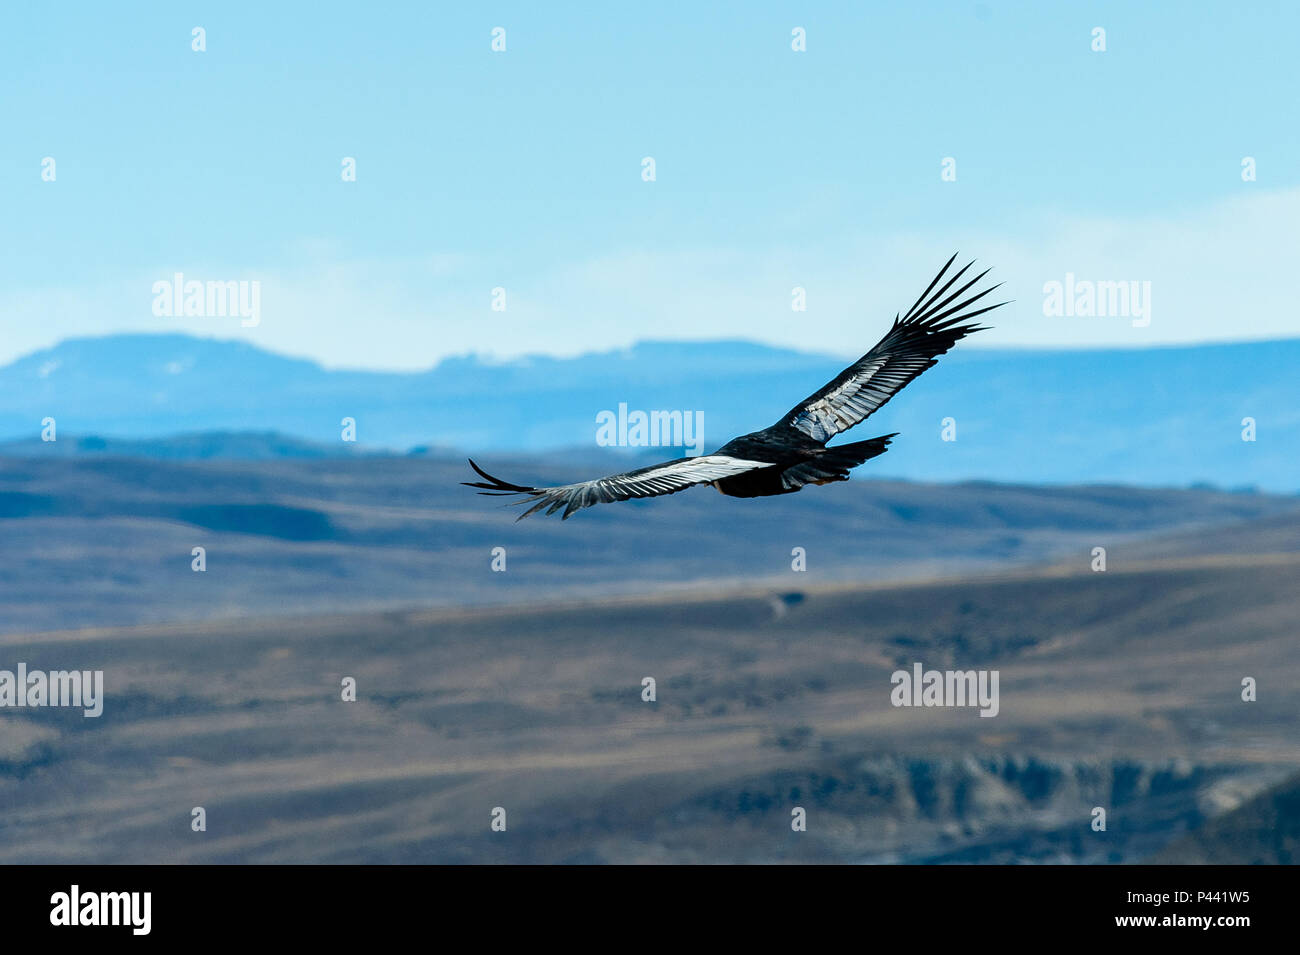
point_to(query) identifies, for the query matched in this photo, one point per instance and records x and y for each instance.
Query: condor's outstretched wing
(667, 478)
(913, 344)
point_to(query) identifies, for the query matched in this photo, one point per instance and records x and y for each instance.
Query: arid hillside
(1119, 690)
(108, 541)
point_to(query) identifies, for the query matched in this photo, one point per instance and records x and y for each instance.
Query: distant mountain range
(1158, 416)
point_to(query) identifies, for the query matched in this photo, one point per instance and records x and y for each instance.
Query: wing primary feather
(957, 308)
(959, 291)
(967, 329)
(929, 306)
(940, 317)
(496, 484)
(932, 284)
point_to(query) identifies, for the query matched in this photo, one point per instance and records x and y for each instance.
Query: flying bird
(792, 453)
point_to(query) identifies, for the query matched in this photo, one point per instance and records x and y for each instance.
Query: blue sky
(522, 169)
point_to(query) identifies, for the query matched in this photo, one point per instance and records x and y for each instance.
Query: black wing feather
(912, 344)
(668, 477)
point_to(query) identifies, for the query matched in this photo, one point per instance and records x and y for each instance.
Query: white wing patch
(932, 326)
(847, 404)
(667, 478)
(648, 482)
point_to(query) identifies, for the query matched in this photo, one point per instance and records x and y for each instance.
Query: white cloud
(1219, 273)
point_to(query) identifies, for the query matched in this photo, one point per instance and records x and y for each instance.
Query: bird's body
(796, 460)
(793, 452)
(781, 450)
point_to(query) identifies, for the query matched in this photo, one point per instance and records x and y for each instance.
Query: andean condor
(792, 453)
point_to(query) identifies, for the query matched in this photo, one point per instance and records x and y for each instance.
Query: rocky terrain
(1119, 690)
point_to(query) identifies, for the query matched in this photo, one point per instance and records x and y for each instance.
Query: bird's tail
(834, 464)
(851, 455)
